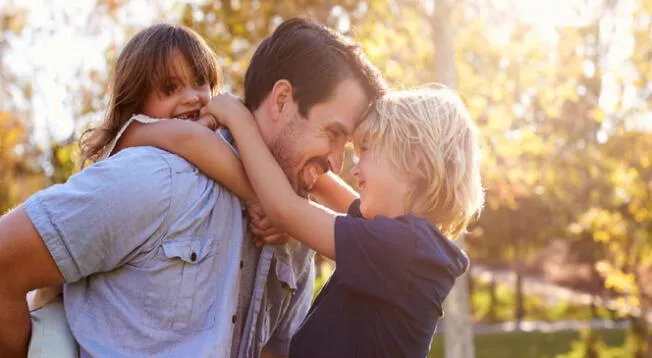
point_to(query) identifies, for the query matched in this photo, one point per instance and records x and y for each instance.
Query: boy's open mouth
(191, 115)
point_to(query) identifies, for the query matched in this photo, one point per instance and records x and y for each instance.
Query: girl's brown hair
(144, 65)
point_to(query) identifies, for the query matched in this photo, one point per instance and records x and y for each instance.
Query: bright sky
(63, 37)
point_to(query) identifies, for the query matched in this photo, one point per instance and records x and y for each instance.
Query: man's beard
(284, 150)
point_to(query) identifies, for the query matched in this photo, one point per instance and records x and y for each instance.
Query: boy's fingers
(263, 223)
(276, 239)
(256, 210)
(262, 232)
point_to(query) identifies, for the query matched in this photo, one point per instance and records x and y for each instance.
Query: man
(146, 220)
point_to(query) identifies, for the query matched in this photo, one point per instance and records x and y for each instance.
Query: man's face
(308, 147)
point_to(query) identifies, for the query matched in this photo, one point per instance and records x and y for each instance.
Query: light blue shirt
(152, 253)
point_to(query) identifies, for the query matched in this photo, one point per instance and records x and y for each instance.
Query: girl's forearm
(200, 146)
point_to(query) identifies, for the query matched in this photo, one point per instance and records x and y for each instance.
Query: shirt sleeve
(279, 343)
(372, 255)
(105, 215)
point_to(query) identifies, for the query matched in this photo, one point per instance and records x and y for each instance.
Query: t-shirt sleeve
(372, 255)
(104, 215)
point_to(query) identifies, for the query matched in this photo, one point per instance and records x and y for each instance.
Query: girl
(164, 71)
(419, 181)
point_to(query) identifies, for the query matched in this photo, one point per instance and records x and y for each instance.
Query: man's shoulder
(147, 158)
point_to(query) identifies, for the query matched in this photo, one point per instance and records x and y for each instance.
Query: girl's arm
(197, 144)
(308, 222)
(334, 192)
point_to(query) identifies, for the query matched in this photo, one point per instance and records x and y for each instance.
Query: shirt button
(193, 257)
(241, 264)
(234, 319)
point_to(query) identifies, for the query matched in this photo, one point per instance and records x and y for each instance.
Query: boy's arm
(334, 192)
(310, 223)
(197, 144)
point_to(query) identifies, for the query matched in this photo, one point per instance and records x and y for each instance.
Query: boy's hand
(262, 227)
(226, 109)
(276, 239)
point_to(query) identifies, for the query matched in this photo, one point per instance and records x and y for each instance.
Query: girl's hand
(226, 109)
(208, 121)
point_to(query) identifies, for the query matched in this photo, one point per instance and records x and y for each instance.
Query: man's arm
(25, 264)
(334, 192)
(92, 223)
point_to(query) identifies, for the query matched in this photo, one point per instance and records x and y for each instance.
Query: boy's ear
(281, 97)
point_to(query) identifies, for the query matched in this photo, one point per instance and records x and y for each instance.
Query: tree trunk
(458, 329)
(519, 309)
(493, 301)
(458, 334)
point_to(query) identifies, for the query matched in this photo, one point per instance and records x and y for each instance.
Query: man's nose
(335, 160)
(355, 170)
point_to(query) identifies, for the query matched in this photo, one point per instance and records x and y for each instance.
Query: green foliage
(534, 344)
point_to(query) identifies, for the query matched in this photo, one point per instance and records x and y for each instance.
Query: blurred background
(561, 91)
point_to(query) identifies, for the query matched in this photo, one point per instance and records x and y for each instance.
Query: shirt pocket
(177, 297)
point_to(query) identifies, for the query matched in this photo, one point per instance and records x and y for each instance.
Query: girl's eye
(169, 88)
(200, 81)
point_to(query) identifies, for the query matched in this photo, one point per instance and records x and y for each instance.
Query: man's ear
(282, 99)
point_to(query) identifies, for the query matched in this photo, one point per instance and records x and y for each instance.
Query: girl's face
(181, 96)
(382, 189)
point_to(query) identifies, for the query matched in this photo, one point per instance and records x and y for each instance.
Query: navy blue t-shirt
(385, 297)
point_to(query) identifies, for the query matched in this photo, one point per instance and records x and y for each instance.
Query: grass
(536, 308)
(534, 344)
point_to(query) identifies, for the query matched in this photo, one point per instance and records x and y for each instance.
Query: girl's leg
(51, 335)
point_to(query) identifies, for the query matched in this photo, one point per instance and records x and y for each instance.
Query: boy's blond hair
(428, 136)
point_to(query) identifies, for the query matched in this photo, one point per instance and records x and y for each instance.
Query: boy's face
(383, 190)
(308, 147)
(180, 96)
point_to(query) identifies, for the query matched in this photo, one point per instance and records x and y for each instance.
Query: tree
(458, 334)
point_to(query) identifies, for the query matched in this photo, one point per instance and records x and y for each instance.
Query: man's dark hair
(314, 59)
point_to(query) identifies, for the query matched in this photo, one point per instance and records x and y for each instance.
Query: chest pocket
(180, 292)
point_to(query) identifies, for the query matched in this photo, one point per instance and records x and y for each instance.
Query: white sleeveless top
(136, 117)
